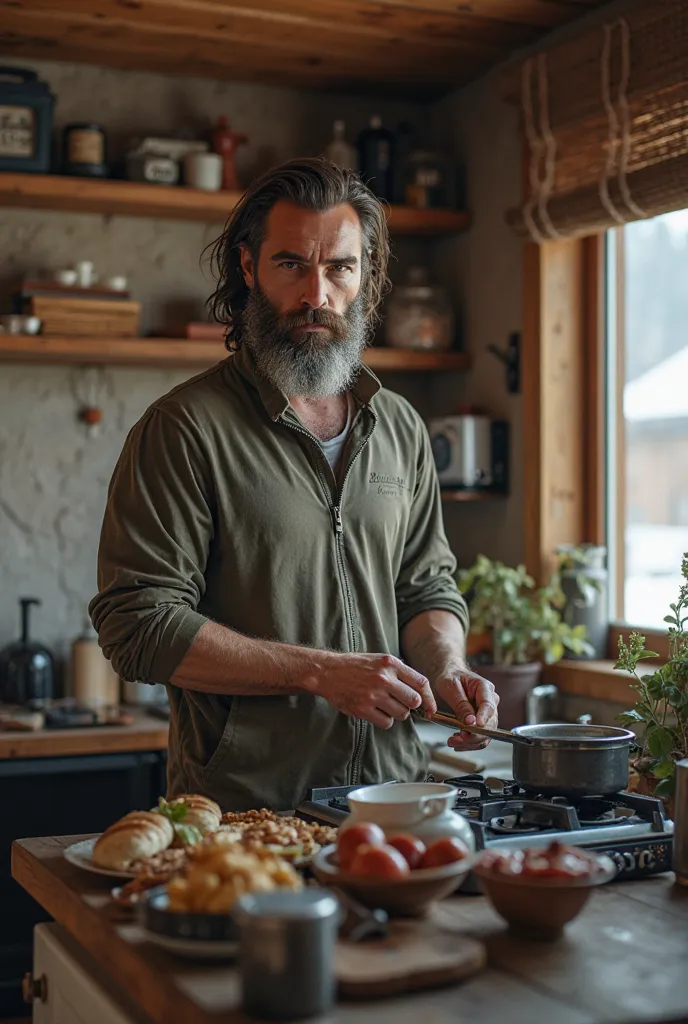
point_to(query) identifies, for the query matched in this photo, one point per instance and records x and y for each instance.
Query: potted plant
(661, 711)
(581, 575)
(524, 625)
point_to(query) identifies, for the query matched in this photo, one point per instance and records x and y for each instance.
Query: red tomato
(358, 835)
(410, 848)
(379, 862)
(444, 851)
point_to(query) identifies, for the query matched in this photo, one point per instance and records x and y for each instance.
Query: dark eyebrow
(297, 257)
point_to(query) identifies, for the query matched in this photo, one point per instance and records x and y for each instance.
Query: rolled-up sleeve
(426, 577)
(154, 544)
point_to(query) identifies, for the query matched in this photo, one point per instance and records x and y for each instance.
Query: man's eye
(288, 265)
(341, 268)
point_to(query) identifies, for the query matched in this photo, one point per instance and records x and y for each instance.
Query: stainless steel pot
(565, 760)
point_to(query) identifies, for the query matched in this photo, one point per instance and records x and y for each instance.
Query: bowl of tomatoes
(396, 873)
(539, 890)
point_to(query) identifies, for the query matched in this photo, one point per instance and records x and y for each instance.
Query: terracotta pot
(513, 684)
(645, 785)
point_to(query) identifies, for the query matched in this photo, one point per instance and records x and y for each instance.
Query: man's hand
(474, 701)
(377, 687)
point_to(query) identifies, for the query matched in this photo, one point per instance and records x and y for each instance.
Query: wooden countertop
(623, 959)
(147, 733)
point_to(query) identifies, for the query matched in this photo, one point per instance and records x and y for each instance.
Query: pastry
(136, 835)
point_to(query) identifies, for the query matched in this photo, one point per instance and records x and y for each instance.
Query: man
(273, 541)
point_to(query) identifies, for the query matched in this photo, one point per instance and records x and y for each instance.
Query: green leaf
(628, 717)
(671, 619)
(660, 741)
(664, 769)
(188, 834)
(665, 787)
(647, 654)
(174, 812)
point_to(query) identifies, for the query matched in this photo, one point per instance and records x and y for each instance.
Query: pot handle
(432, 806)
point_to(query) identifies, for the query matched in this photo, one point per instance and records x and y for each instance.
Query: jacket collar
(276, 402)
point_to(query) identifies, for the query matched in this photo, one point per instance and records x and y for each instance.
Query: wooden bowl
(410, 896)
(540, 908)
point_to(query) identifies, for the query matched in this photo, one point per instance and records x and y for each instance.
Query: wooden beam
(594, 420)
(543, 14)
(532, 390)
(288, 22)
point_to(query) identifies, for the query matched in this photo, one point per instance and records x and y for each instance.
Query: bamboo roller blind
(606, 120)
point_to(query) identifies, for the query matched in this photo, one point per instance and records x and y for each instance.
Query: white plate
(81, 856)
(193, 949)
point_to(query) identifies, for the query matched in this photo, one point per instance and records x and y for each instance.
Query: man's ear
(247, 266)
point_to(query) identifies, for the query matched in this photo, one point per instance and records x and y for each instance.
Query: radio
(471, 452)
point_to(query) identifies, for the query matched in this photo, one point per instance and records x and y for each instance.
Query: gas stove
(629, 828)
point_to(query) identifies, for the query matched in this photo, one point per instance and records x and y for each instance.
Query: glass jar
(419, 315)
(427, 180)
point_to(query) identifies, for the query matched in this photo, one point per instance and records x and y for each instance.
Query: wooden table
(625, 959)
(147, 733)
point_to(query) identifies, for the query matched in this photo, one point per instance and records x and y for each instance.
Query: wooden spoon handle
(493, 734)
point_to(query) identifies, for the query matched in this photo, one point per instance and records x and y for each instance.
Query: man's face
(303, 320)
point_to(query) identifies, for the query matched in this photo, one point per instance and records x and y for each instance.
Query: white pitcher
(422, 809)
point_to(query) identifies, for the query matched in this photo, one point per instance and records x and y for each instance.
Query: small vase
(513, 683)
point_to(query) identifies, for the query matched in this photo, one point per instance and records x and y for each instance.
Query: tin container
(680, 855)
(26, 121)
(286, 953)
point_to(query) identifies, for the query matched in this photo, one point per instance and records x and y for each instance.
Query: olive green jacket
(223, 506)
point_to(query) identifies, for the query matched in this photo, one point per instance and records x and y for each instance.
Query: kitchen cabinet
(70, 989)
(59, 794)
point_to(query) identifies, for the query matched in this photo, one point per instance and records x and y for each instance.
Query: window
(647, 414)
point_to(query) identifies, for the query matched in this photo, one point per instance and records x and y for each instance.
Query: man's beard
(307, 364)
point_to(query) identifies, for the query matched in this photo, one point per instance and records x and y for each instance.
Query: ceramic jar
(422, 809)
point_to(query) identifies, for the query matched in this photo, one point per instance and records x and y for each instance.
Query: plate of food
(191, 914)
(124, 849)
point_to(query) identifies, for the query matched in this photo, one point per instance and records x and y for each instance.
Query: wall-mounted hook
(511, 357)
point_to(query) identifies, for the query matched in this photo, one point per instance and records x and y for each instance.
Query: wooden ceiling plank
(52, 21)
(542, 14)
(210, 58)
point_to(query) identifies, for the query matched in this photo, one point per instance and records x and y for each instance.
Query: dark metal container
(27, 669)
(26, 121)
(286, 953)
(680, 855)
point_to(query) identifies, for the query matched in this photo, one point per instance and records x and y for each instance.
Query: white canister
(422, 809)
(203, 170)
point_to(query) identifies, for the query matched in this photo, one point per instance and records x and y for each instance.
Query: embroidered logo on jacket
(388, 486)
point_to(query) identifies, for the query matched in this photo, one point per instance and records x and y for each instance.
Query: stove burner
(595, 811)
(514, 825)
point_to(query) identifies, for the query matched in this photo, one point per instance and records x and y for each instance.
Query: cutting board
(417, 953)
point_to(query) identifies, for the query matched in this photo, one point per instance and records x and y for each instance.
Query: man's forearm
(220, 660)
(434, 643)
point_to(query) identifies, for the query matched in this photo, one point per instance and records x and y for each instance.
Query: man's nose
(314, 292)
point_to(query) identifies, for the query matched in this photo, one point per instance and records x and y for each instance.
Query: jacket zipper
(360, 727)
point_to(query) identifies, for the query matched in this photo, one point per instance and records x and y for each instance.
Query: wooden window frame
(565, 428)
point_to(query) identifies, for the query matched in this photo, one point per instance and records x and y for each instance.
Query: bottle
(376, 158)
(225, 143)
(339, 151)
(27, 668)
(95, 683)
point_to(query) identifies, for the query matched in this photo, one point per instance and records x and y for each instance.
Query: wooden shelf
(195, 355)
(462, 495)
(134, 199)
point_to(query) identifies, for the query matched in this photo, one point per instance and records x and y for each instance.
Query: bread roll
(136, 835)
(202, 812)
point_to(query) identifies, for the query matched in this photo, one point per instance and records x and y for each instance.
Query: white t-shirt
(335, 446)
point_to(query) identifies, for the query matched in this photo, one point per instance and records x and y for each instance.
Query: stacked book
(80, 312)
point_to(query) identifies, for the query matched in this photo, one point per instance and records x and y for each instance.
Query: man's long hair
(314, 184)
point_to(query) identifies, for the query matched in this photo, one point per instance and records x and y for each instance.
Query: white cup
(84, 273)
(203, 170)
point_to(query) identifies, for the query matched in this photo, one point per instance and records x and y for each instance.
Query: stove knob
(646, 859)
(629, 861)
(618, 859)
